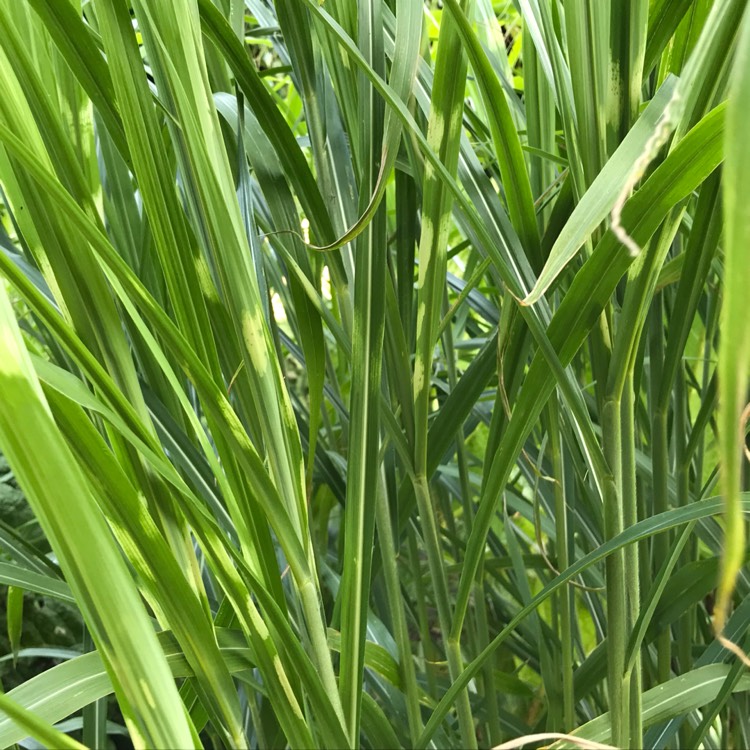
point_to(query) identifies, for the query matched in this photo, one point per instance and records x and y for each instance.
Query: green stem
(494, 731)
(314, 620)
(563, 561)
(632, 563)
(617, 612)
(660, 475)
(686, 624)
(396, 606)
(442, 600)
(429, 652)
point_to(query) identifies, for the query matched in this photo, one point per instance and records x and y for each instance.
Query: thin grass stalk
(587, 29)
(442, 601)
(628, 25)
(94, 716)
(707, 379)
(564, 599)
(638, 293)
(558, 76)
(390, 559)
(628, 29)
(632, 562)
(686, 624)
(481, 624)
(482, 640)
(660, 474)
(429, 650)
(406, 241)
(698, 453)
(540, 124)
(616, 578)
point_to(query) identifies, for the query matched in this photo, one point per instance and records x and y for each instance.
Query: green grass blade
(29, 580)
(37, 728)
(734, 353)
(677, 697)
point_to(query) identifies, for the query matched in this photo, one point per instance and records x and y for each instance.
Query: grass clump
(375, 373)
